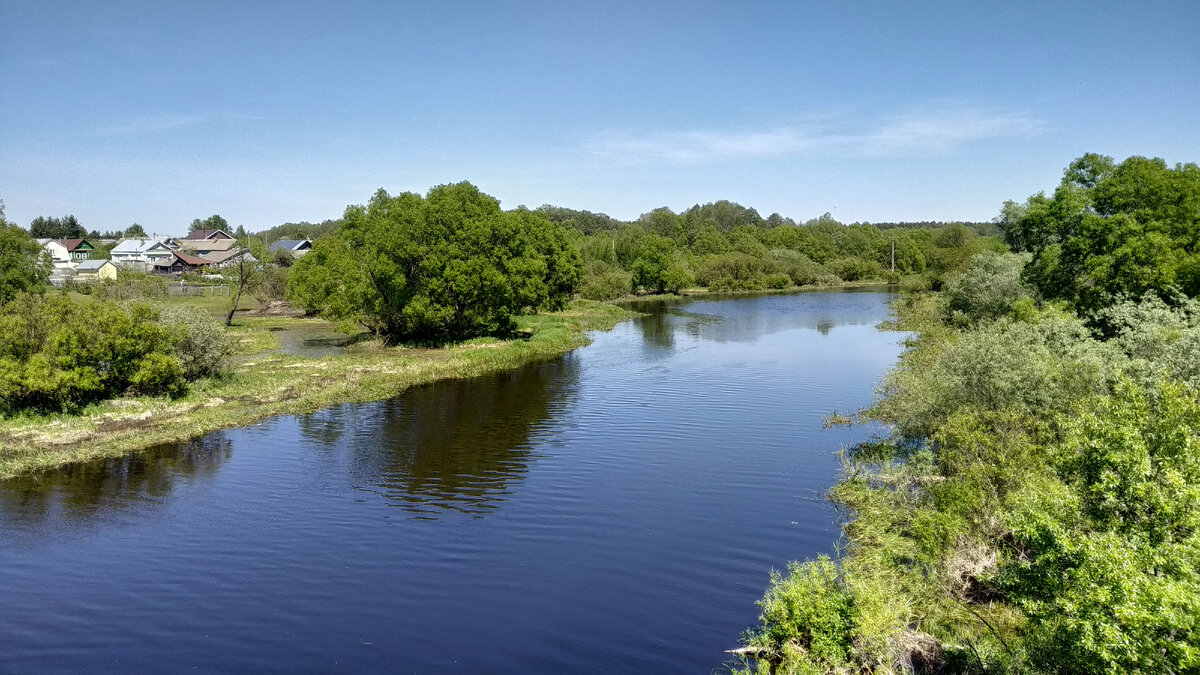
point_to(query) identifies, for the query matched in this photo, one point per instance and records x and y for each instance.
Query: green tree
(135, 231)
(1111, 230)
(213, 222)
(67, 227)
(24, 266)
(447, 266)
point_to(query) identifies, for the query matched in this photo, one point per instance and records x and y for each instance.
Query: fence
(197, 290)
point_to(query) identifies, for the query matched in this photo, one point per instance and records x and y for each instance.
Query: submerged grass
(263, 385)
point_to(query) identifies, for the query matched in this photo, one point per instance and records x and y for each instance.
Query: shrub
(988, 287)
(856, 269)
(807, 618)
(202, 345)
(602, 281)
(730, 272)
(131, 285)
(777, 280)
(59, 355)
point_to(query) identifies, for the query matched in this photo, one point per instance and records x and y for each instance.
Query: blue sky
(268, 112)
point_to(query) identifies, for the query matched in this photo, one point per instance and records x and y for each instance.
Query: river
(614, 510)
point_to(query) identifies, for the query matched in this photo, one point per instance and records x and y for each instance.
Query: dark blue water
(615, 510)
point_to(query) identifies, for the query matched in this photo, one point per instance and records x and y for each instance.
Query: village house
(59, 255)
(223, 259)
(205, 247)
(200, 235)
(141, 254)
(181, 262)
(95, 270)
(296, 247)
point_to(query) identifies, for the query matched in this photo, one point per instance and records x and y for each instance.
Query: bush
(202, 345)
(131, 285)
(988, 287)
(806, 619)
(798, 267)
(602, 281)
(730, 272)
(777, 280)
(60, 355)
(856, 269)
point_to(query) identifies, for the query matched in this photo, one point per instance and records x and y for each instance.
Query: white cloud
(940, 128)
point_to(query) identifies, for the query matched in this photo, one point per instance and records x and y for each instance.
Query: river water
(615, 510)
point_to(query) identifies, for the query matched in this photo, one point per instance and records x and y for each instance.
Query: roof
(290, 244)
(207, 234)
(222, 256)
(89, 265)
(137, 246)
(208, 244)
(72, 244)
(192, 259)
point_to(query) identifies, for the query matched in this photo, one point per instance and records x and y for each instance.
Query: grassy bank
(264, 384)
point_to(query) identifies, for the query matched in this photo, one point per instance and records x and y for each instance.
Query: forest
(1037, 506)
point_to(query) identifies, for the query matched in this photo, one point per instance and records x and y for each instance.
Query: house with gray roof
(297, 247)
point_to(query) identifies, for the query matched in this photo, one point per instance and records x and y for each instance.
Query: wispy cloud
(149, 124)
(933, 128)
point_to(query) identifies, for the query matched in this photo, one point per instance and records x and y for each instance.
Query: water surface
(617, 509)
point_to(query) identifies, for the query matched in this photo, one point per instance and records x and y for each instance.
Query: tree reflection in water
(460, 445)
(78, 494)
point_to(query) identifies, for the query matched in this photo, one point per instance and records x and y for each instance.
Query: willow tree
(449, 265)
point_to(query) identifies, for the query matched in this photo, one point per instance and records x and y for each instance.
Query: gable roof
(192, 259)
(208, 244)
(291, 245)
(207, 234)
(75, 244)
(138, 246)
(223, 256)
(92, 265)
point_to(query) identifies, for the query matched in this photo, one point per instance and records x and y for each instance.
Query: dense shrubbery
(1037, 507)
(727, 247)
(57, 355)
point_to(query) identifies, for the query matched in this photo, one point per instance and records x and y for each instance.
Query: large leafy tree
(24, 266)
(448, 265)
(1111, 230)
(213, 222)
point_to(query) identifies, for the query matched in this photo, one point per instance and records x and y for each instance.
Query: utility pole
(893, 252)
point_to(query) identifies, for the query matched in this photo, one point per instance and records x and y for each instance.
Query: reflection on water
(79, 493)
(459, 445)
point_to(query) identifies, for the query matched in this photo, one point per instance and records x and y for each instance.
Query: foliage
(24, 266)
(213, 222)
(1109, 574)
(201, 344)
(59, 355)
(807, 616)
(446, 266)
(1111, 230)
(135, 231)
(988, 287)
(67, 227)
(131, 285)
(603, 281)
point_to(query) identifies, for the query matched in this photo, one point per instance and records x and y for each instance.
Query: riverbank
(261, 385)
(1009, 521)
